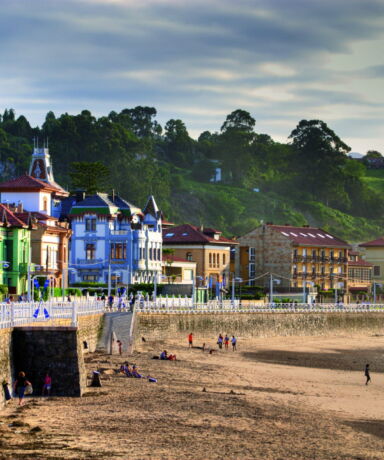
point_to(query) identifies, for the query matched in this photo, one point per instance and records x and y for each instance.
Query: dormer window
(216, 236)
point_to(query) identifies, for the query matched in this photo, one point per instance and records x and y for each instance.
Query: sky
(281, 60)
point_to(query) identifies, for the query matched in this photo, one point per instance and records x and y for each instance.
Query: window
(45, 205)
(158, 254)
(224, 259)
(150, 253)
(304, 252)
(119, 251)
(313, 253)
(331, 254)
(252, 254)
(323, 254)
(210, 260)
(189, 256)
(90, 225)
(376, 270)
(90, 251)
(252, 270)
(90, 278)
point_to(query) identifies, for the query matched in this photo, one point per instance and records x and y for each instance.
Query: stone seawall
(162, 326)
(88, 331)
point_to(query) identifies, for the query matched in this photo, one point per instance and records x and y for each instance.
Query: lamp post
(271, 281)
(305, 282)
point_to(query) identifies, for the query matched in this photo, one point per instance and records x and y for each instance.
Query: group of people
(165, 356)
(225, 340)
(220, 341)
(129, 371)
(22, 383)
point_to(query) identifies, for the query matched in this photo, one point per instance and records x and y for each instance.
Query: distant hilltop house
(37, 199)
(114, 240)
(297, 256)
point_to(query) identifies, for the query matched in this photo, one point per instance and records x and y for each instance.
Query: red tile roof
(359, 263)
(310, 236)
(10, 217)
(27, 182)
(379, 242)
(189, 234)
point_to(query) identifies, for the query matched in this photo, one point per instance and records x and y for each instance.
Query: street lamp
(239, 280)
(271, 281)
(305, 282)
(194, 278)
(374, 290)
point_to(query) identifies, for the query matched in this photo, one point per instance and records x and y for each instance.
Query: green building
(15, 246)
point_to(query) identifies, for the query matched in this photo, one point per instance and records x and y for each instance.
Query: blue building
(111, 237)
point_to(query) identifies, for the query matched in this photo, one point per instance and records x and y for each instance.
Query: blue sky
(281, 60)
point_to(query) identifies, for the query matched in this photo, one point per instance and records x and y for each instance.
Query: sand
(279, 398)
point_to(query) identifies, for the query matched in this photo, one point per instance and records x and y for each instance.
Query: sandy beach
(274, 398)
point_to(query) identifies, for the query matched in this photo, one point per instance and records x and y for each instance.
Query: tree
(91, 177)
(178, 145)
(168, 254)
(321, 157)
(240, 120)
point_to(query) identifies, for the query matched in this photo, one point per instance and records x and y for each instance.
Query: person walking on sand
(190, 340)
(226, 341)
(366, 373)
(220, 341)
(234, 342)
(20, 385)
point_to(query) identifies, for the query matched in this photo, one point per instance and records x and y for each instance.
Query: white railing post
(74, 314)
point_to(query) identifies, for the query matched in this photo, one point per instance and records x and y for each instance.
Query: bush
(87, 284)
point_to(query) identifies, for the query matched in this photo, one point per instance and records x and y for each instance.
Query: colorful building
(205, 246)
(114, 240)
(297, 256)
(177, 270)
(38, 198)
(373, 252)
(359, 275)
(15, 246)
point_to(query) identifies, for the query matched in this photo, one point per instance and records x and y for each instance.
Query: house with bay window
(112, 237)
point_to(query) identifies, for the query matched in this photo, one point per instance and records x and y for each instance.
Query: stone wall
(88, 331)
(5, 363)
(163, 326)
(57, 350)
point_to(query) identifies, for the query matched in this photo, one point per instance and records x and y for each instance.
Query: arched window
(210, 259)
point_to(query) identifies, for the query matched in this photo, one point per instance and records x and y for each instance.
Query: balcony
(119, 232)
(92, 263)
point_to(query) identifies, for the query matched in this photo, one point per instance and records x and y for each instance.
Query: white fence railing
(174, 306)
(28, 313)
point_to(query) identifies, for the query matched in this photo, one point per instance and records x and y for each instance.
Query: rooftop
(374, 243)
(27, 182)
(311, 236)
(189, 234)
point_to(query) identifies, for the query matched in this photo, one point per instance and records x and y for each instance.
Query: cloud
(198, 60)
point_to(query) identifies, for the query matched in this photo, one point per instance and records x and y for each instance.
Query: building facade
(373, 252)
(297, 256)
(359, 274)
(205, 246)
(177, 270)
(38, 199)
(114, 240)
(15, 246)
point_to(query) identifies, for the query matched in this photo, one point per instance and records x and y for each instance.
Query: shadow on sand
(373, 427)
(346, 360)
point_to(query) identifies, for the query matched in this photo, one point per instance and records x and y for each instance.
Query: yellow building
(295, 255)
(205, 246)
(373, 252)
(359, 275)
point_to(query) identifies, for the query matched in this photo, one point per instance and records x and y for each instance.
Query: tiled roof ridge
(11, 216)
(32, 180)
(377, 242)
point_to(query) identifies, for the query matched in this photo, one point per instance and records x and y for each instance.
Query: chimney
(80, 195)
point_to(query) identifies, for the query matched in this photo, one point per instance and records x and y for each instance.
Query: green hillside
(236, 211)
(308, 180)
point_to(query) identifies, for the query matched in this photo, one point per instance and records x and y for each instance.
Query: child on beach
(366, 373)
(47, 385)
(190, 340)
(234, 341)
(226, 341)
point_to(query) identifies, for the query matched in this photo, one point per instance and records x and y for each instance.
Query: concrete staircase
(117, 326)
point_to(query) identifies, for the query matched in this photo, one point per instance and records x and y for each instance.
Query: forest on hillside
(310, 179)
